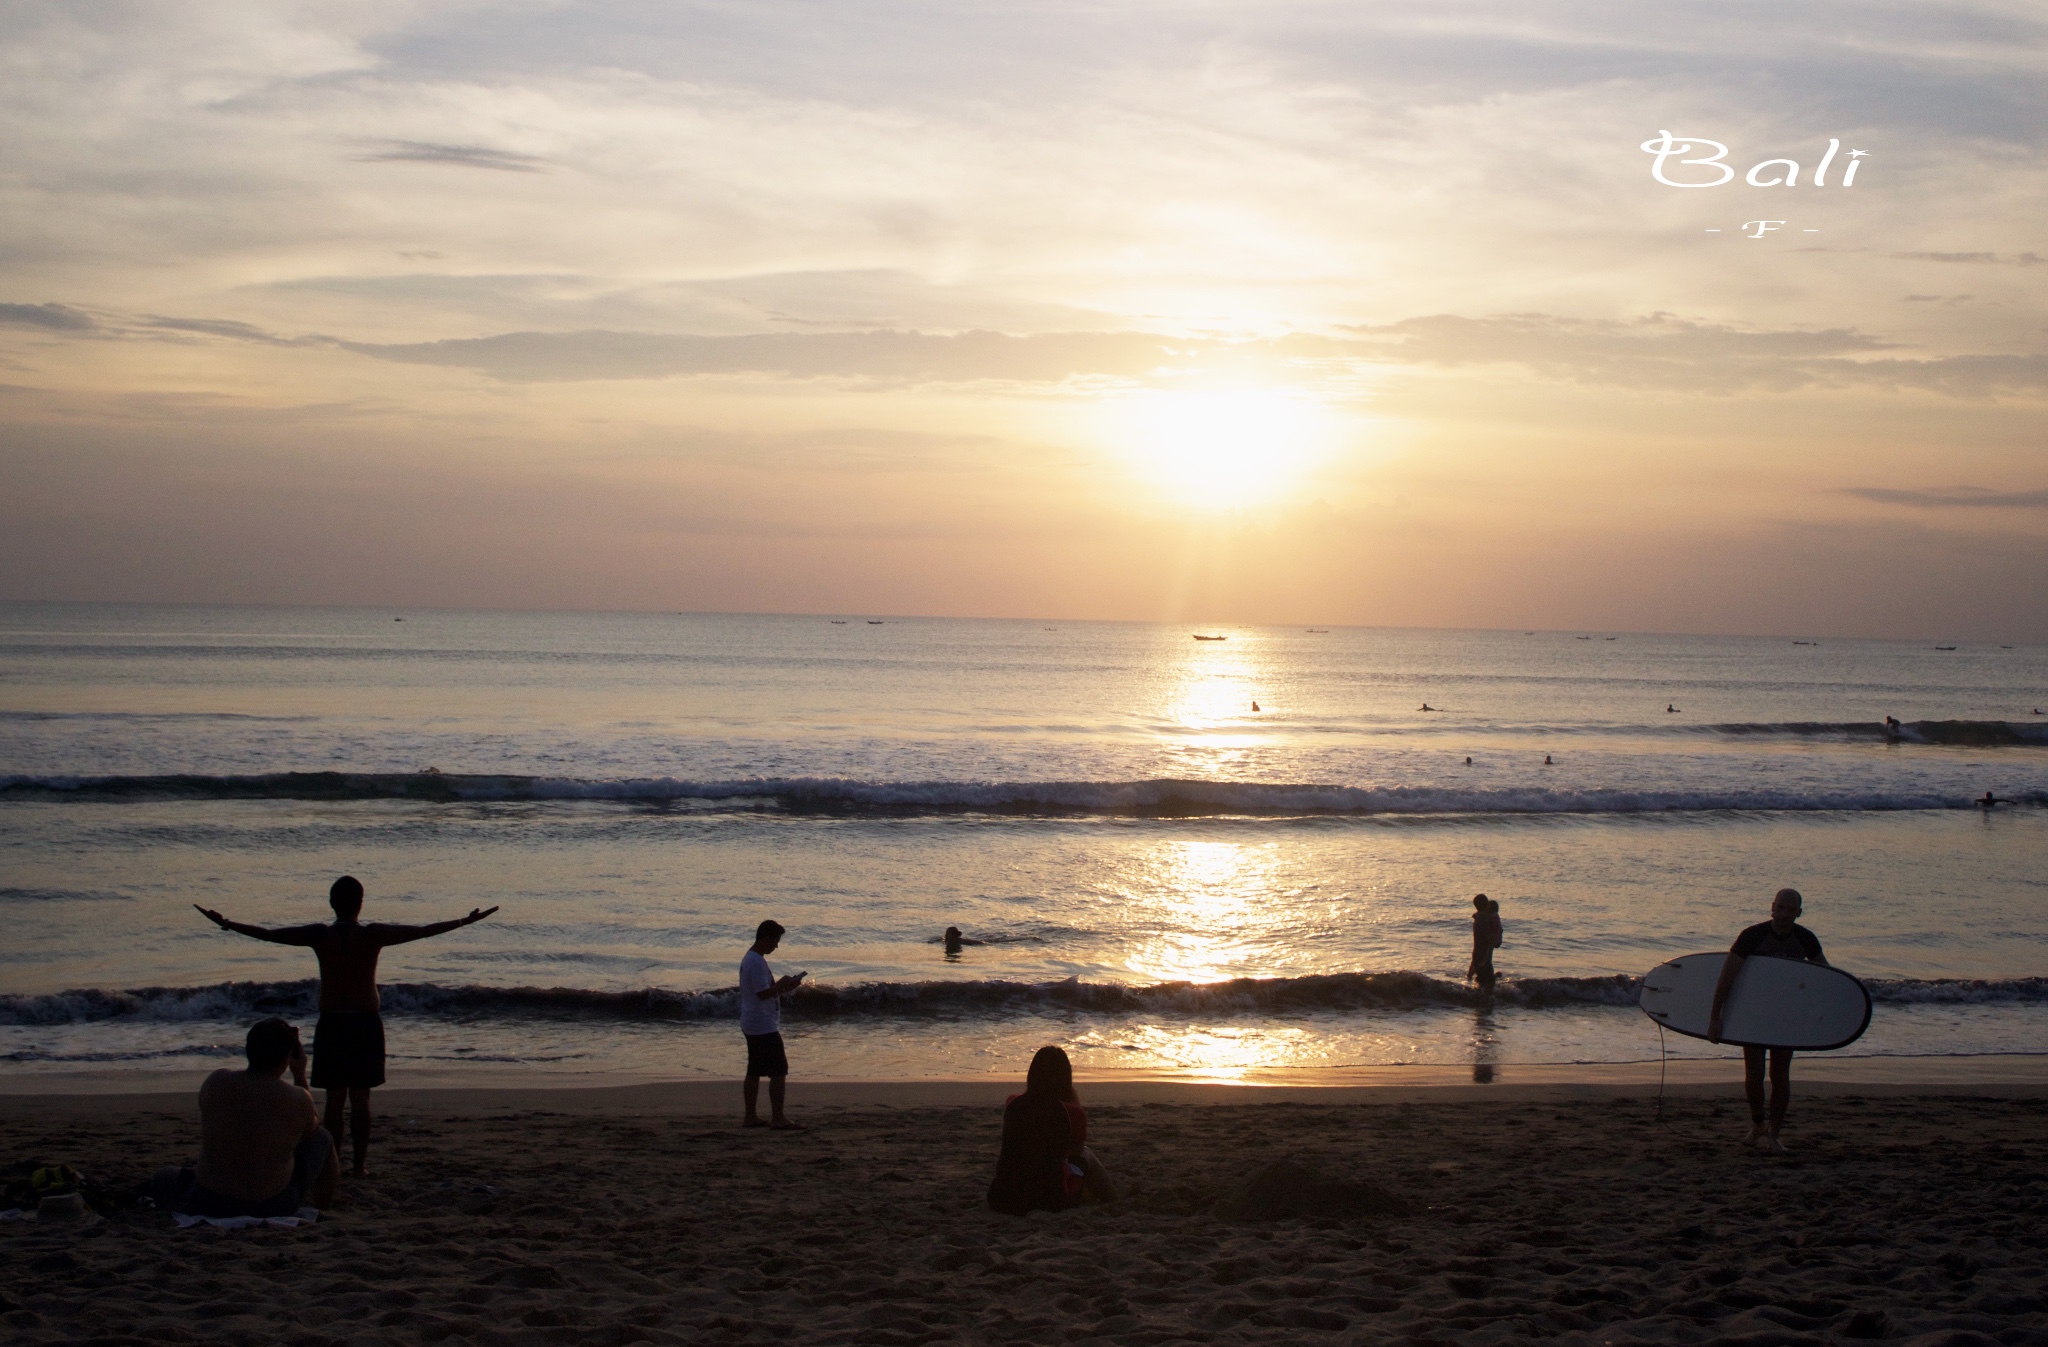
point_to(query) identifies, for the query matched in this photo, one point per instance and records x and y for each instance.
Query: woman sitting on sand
(1045, 1161)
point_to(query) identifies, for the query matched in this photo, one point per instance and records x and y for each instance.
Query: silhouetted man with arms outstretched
(348, 1042)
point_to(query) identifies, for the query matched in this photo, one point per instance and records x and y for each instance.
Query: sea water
(1235, 859)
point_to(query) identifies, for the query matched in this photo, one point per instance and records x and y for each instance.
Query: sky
(1259, 312)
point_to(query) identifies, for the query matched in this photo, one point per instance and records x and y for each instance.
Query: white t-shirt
(756, 1015)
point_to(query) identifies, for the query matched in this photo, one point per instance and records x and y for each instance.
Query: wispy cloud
(54, 317)
(893, 356)
(1657, 353)
(1977, 259)
(460, 156)
(224, 327)
(1953, 497)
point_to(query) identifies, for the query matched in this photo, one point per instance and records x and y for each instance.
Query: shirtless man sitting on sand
(262, 1151)
(348, 1042)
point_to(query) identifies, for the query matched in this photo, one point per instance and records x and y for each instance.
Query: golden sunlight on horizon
(1224, 449)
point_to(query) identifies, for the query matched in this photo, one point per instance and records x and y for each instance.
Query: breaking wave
(1156, 798)
(234, 1002)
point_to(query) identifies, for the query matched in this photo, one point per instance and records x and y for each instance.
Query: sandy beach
(1437, 1216)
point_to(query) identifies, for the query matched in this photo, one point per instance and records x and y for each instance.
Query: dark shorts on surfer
(765, 1056)
(348, 1050)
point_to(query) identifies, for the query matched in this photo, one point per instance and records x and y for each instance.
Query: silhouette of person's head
(1786, 907)
(345, 896)
(767, 936)
(954, 940)
(1479, 901)
(1051, 1075)
(270, 1044)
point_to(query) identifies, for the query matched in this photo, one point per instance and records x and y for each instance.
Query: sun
(1224, 449)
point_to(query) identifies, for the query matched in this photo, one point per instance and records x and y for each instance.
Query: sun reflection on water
(1206, 925)
(1213, 688)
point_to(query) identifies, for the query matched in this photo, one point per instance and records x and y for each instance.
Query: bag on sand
(43, 1179)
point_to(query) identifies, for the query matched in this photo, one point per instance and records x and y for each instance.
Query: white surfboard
(1775, 1003)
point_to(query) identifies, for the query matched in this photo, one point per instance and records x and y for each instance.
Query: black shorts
(765, 1056)
(348, 1050)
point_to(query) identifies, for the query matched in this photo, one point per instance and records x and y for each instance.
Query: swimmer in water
(1669, 709)
(1989, 801)
(1255, 706)
(1468, 762)
(1547, 762)
(954, 941)
(1427, 707)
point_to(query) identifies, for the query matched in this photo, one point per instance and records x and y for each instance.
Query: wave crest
(1155, 798)
(983, 998)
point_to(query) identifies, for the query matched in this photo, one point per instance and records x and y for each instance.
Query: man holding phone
(761, 1021)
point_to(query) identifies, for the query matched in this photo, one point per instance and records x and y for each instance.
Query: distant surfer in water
(1989, 801)
(1485, 940)
(1427, 707)
(1782, 937)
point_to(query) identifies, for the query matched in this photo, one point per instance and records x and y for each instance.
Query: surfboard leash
(1660, 1071)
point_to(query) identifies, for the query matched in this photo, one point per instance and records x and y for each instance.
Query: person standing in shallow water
(348, 1041)
(1486, 938)
(1782, 937)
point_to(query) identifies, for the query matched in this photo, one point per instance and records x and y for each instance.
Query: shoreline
(2000, 1077)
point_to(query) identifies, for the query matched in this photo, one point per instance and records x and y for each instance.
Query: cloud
(1977, 259)
(895, 356)
(55, 317)
(1658, 351)
(1655, 353)
(461, 156)
(223, 327)
(1954, 497)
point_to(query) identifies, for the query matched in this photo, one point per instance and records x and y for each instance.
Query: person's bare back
(249, 1127)
(348, 962)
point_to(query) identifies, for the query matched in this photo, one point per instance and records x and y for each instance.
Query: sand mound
(1289, 1188)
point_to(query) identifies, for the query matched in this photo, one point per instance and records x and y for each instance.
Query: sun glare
(1225, 449)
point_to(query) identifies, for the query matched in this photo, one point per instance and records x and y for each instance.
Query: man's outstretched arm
(398, 935)
(283, 935)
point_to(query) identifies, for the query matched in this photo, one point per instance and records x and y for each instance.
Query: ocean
(1243, 859)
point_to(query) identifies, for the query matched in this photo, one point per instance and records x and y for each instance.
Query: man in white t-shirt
(761, 1022)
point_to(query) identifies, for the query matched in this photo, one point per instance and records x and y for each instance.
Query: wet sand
(1538, 1212)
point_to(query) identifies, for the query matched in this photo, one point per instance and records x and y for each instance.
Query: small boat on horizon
(1944, 647)
(1200, 637)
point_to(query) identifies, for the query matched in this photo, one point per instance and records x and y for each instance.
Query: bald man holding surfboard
(1782, 937)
